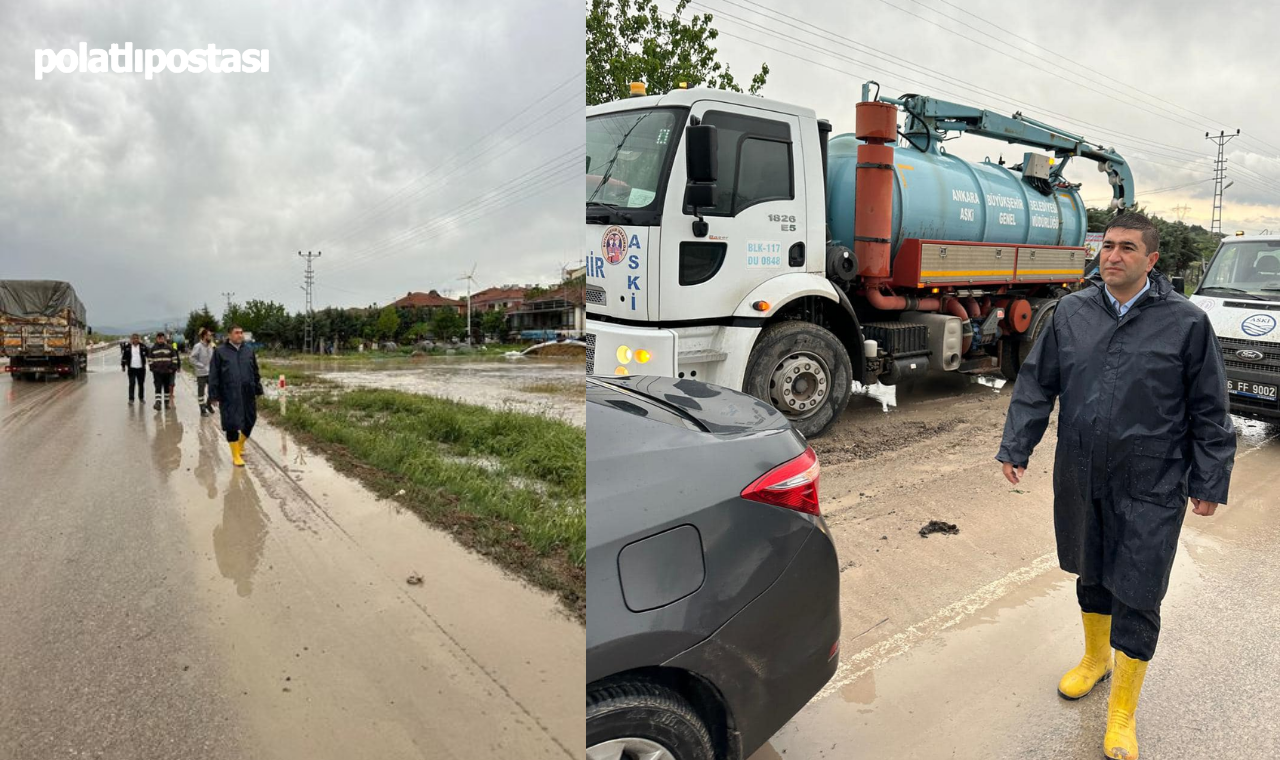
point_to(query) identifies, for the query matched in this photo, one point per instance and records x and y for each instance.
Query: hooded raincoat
(1143, 423)
(235, 384)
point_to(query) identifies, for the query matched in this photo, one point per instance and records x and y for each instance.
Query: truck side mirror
(701, 154)
(699, 195)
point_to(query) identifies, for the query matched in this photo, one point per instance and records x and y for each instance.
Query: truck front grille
(590, 339)
(595, 295)
(1269, 364)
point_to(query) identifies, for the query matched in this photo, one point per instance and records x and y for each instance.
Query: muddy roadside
(507, 485)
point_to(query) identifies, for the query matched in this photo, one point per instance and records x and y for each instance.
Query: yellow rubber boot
(1121, 740)
(243, 440)
(235, 453)
(1095, 666)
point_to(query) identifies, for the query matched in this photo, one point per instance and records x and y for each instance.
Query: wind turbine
(471, 280)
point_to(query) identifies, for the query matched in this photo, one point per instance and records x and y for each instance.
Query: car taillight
(792, 484)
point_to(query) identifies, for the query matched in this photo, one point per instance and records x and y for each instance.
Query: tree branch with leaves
(636, 42)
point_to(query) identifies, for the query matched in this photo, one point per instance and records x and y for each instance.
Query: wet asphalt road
(157, 603)
(952, 646)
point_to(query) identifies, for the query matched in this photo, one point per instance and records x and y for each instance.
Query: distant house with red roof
(562, 312)
(508, 298)
(430, 300)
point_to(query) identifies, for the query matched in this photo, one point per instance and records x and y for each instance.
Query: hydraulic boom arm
(928, 118)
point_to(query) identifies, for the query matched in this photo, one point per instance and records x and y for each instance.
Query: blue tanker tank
(937, 196)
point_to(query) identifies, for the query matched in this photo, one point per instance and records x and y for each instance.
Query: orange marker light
(643, 356)
(621, 371)
(760, 305)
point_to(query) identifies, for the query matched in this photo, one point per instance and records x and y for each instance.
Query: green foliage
(447, 324)
(494, 323)
(1182, 245)
(387, 325)
(632, 41)
(197, 319)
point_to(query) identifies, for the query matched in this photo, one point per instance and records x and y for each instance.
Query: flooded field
(548, 387)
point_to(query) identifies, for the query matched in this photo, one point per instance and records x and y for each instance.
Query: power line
(227, 295)
(1130, 149)
(1156, 191)
(459, 152)
(1077, 63)
(559, 162)
(574, 113)
(951, 30)
(530, 187)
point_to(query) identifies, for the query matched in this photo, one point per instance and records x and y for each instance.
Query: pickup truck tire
(1014, 352)
(803, 370)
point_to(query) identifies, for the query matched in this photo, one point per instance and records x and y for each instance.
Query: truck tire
(638, 718)
(803, 370)
(1014, 352)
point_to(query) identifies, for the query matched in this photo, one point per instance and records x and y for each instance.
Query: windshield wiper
(1236, 291)
(614, 209)
(608, 171)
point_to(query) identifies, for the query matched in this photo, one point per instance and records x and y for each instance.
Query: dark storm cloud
(154, 196)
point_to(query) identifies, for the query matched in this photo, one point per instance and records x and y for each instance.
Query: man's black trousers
(138, 376)
(1133, 632)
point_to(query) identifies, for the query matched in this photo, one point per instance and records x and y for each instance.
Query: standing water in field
(548, 387)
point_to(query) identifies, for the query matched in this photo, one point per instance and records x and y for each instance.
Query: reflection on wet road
(239, 538)
(159, 603)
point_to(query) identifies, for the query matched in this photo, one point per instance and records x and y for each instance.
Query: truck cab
(1241, 294)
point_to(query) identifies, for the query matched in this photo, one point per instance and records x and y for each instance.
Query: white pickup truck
(1241, 294)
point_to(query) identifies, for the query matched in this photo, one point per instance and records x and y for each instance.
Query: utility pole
(309, 278)
(1219, 174)
(1181, 211)
(226, 315)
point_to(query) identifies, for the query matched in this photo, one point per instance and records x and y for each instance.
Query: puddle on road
(547, 387)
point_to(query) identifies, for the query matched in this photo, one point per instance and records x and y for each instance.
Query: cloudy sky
(1147, 77)
(407, 141)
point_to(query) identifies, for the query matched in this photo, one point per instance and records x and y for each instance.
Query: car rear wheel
(803, 370)
(639, 720)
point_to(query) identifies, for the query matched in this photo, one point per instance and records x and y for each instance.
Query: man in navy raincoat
(1143, 424)
(234, 386)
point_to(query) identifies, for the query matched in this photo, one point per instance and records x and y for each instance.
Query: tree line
(272, 324)
(1182, 246)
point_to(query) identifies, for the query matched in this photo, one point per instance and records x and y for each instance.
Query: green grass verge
(512, 486)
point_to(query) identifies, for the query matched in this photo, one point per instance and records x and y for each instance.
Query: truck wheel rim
(799, 385)
(631, 748)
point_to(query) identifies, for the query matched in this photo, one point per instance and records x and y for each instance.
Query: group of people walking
(227, 377)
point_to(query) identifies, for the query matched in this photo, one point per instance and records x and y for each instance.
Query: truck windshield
(626, 153)
(1245, 267)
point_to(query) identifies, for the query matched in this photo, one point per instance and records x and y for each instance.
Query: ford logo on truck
(1249, 355)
